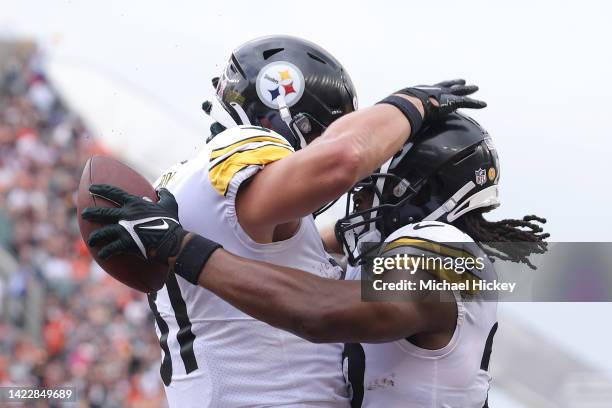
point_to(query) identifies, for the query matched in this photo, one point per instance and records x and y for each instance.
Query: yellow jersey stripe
(222, 173)
(438, 270)
(220, 151)
(435, 247)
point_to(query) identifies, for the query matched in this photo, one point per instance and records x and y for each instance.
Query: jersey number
(165, 179)
(486, 356)
(184, 335)
(353, 367)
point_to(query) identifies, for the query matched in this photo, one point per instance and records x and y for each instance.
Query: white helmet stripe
(484, 198)
(219, 114)
(451, 202)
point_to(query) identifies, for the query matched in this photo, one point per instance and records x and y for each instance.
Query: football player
(412, 354)
(252, 189)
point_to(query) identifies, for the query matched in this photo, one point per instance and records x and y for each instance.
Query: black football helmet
(283, 83)
(449, 169)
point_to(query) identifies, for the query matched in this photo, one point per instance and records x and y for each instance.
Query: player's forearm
(373, 135)
(282, 297)
(279, 296)
(316, 309)
(349, 150)
(286, 298)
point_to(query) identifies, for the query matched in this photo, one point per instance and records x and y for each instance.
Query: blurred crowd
(64, 321)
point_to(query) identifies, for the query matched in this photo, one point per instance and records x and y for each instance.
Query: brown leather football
(129, 269)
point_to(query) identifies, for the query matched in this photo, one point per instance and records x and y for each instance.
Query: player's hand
(139, 226)
(444, 97)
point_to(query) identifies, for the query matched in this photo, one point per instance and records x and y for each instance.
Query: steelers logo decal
(280, 78)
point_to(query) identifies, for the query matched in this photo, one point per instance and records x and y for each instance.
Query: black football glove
(147, 229)
(139, 226)
(449, 95)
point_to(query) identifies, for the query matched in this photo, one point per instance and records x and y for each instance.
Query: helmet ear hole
(314, 57)
(268, 53)
(465, 155)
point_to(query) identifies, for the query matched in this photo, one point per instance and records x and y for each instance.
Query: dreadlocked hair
(509, 240)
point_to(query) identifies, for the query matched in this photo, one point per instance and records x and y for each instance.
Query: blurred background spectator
(101, 341)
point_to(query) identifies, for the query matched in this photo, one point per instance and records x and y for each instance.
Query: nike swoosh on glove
(139, 226)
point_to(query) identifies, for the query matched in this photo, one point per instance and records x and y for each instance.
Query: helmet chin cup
(357, 226)
(367, 245)
(352, 235)
(352, 231)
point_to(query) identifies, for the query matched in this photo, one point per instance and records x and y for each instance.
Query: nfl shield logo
(481, 177)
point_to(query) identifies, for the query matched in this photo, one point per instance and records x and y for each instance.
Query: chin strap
(285, 115)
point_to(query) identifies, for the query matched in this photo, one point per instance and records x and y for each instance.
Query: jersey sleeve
(444, 251)
(238, 153)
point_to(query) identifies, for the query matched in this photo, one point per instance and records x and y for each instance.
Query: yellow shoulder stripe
(220, 151)
(437, 269)
(435, 247)
(222, 173)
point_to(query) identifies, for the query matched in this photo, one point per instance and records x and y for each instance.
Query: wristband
(193, 257)
(408, 109)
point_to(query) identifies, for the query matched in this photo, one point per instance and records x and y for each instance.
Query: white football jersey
(213, 355)
(400, 374)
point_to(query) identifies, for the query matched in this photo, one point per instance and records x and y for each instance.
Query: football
(129, 269)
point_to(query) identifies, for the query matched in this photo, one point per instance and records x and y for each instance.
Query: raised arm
(350, 149)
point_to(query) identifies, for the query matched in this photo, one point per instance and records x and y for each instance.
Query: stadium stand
(64, 321)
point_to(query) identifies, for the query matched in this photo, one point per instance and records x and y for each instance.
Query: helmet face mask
(450, 169)
(359, 223)
(286, 84)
